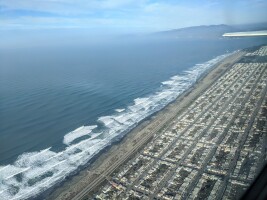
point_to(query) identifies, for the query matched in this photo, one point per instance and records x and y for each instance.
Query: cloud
(66, 7)
(139, 15)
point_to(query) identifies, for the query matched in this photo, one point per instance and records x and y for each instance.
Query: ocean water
(60, 106)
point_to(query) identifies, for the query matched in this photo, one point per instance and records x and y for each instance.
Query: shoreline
(108, 160)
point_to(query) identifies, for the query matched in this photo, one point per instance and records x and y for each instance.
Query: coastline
(113, 156)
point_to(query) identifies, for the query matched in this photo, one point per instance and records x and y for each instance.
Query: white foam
(140, 100)
(3, 167)
(59, 166)
(106, 120)
(17, 172)
(170, 82)
(2, 191)
(77, 133)
(119, 110)
(40, 170)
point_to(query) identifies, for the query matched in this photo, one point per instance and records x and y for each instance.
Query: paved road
(213, 150)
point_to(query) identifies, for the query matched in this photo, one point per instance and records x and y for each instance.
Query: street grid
(213, 150)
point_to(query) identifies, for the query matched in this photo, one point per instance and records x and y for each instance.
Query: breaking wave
(119, 110)
(35, 172)
(77, 133)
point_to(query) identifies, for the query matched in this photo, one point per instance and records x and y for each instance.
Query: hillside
(198, 32)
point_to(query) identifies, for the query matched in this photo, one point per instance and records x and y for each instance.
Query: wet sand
(89, 179)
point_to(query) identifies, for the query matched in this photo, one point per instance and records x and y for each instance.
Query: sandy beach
(88, 179)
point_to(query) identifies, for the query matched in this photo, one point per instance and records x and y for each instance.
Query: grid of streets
(213, 150)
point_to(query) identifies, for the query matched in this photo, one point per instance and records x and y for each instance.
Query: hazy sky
(128, 15)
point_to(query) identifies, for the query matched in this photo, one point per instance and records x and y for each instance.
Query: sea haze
(60, 106)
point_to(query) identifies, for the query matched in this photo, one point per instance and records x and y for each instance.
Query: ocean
(60, 106)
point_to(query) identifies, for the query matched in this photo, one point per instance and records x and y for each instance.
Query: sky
(127, 16)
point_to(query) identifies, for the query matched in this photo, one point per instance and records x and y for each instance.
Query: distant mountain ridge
(208, 31)
(211, 31)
